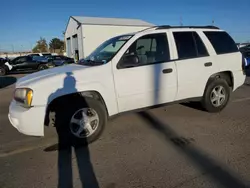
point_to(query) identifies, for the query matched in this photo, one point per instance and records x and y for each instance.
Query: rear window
(221, 41)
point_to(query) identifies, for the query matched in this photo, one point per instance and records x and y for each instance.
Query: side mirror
(129, 61)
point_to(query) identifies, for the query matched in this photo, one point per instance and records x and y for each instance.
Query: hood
(48, 74)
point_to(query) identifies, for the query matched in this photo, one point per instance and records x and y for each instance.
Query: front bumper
(27, 121)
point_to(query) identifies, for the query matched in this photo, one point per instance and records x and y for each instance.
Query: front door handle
(208, 64)
(166, 71)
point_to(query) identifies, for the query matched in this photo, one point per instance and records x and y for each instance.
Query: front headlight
(24, 96)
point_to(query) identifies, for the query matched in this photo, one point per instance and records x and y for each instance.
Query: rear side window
(189, 45)
(201, 49)
(58, 58)
(221, 41)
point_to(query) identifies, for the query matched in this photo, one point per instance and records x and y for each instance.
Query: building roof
(110, 21)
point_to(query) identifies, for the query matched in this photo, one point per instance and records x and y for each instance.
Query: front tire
(80, 122)
(216, 95)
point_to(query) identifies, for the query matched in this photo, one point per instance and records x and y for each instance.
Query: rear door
(32, 63)
(228, 56)
(194, 63)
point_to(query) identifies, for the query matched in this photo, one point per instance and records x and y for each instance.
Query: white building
(84, 34)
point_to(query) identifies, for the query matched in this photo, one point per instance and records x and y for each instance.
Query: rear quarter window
(221, 41)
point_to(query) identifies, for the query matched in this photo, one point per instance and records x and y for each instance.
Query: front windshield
(107, 50)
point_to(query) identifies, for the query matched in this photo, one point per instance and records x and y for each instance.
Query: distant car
(246, 55)
(60, 60)
(245, 49)
(2, 60)
(24, 64)
(248, 63)
(42, 54)
(35, 55)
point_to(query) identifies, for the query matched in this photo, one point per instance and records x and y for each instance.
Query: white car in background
(159, 65)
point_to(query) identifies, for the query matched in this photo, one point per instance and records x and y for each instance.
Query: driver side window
(149, 49)
(19, 60)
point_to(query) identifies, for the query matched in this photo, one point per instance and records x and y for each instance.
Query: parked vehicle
(45, 54)
(25, 63)
(246, 54)
(156, 66)
(245, 49)
(60, 60)
(2, 60)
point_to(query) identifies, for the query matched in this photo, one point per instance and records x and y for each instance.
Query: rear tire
(42, 67)
(3, 71)
(216, 95)
(68, 110)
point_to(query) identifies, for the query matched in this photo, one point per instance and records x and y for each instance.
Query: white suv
(155, 66)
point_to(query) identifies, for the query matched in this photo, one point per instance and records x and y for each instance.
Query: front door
(19, 63)
(150, 81)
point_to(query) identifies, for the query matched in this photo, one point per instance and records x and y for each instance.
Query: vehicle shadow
(199, 159)
(194, 105)
(66, 144)
(207, 165)
(6, 81)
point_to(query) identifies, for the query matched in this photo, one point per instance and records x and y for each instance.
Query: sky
(24, 22)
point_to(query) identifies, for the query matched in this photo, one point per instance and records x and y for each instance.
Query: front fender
(107, 94)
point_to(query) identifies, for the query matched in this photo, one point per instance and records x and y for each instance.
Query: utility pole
(30, 46)
(21, 50)
(12, 46)
(212, 21)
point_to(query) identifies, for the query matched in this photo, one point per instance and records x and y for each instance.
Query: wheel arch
(227, 75)
(54, 103)
(6, 69)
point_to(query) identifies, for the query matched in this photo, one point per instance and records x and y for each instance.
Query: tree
(56, 44)
(41, 46)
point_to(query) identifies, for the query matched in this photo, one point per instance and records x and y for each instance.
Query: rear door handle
(208, 64)
(166, 71)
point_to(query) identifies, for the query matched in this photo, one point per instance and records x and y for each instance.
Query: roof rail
(195, 27)
(149, 28)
